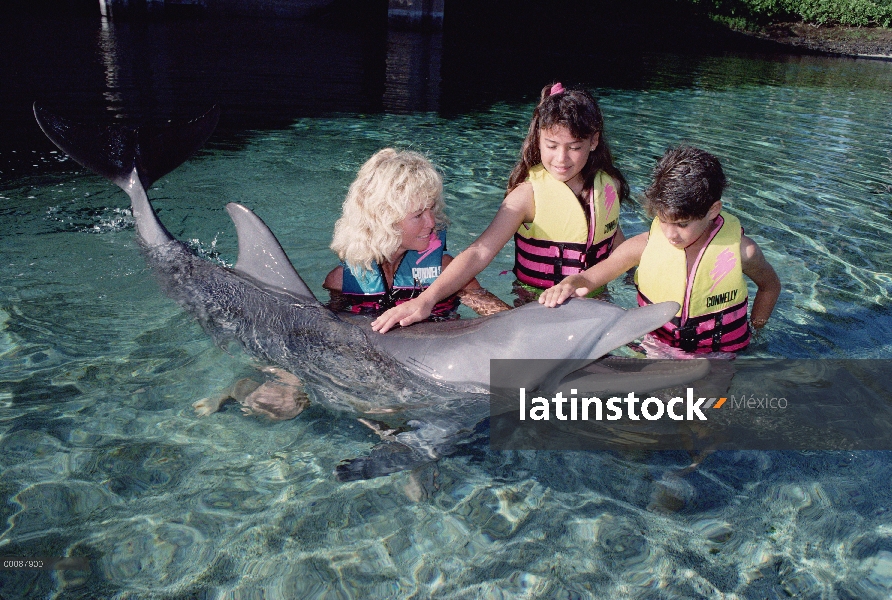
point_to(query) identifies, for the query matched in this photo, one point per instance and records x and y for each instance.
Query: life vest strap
(549, 249)
(362, 304)
(542, 263)
(723, 331)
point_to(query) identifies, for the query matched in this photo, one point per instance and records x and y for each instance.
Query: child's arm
(767, 282)
(482, 301)
(624, 257)
(618, 239)
(476, 297)
(518, 207)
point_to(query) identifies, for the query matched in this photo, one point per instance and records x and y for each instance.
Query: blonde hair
(390, 186)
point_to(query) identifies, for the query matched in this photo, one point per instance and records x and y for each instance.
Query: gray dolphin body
(432, 377)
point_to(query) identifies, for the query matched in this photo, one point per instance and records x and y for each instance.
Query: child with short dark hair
(695, 254)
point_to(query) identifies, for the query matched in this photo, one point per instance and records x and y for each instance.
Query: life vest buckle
(591, 256)
(559, 264)
(717, 333)
(687, 338)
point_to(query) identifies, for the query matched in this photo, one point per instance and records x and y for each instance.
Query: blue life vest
(366, 291)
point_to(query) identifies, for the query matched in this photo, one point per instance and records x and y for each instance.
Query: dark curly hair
(687, 181)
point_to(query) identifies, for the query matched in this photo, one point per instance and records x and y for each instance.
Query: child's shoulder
(750, 252)
(748, 245)
(523, 193)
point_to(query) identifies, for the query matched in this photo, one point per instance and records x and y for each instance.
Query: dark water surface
(101, 454)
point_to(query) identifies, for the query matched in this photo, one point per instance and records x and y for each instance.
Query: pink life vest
(564, 238)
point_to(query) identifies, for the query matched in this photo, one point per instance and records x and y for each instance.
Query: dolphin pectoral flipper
(113, 151)
(260, 256)
(384, 459)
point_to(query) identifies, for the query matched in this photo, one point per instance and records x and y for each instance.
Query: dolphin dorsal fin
(260, 255)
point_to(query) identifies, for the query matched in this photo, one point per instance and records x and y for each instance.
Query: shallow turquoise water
(102, 455)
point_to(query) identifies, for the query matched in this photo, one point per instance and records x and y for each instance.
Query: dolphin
(431, 378)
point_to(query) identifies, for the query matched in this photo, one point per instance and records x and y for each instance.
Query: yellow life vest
(562, 240)
(713, 299)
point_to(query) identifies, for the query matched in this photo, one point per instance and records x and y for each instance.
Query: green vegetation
(747, 14)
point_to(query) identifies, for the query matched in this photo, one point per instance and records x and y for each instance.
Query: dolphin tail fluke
(383, 459)
(114, 151)
(261, 257)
